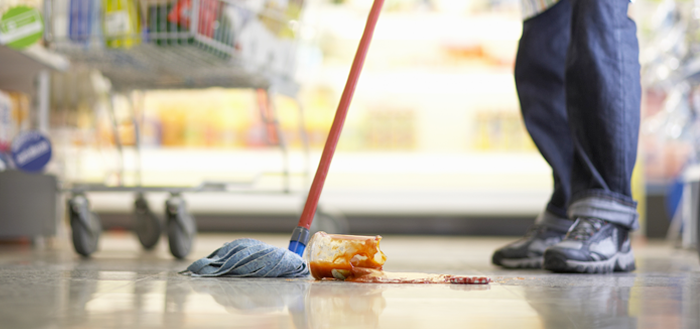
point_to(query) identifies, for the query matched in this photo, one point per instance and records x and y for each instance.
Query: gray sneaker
(592, 246)
(527, 252)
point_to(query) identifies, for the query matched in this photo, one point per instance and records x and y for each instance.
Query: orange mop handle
(307, 215)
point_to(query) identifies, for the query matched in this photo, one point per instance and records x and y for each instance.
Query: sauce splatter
(364, 275)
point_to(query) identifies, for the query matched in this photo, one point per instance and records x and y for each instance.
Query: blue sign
(31, 151)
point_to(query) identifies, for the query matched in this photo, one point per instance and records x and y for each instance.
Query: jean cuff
(603, 205)
(553, 221)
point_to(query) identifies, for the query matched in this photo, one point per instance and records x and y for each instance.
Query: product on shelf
(84, 22)
(228, 118)
(208, 14)
(391, 129)
(20, 109)
(7, 124)
(163, 31)
(122, 23)
(277, 17)
(14, 117)
(261, 49)
(212, 21)
(501, 131)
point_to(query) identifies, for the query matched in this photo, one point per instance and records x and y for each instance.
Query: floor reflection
(624, 301)
(61, 290)
(605, 305)
(337, 304)
(309, 304)
(560, 301)
(82, 287)
(261, 296)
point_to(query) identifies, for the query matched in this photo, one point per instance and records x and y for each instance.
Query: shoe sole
(512, 263)
(620, 262)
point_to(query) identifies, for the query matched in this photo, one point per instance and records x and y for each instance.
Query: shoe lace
(584, 228)
(532, 231)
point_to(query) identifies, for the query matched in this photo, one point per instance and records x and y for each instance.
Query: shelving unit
(151, 67)
(28, 202)
(20, 67)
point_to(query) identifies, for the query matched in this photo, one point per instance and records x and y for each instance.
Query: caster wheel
(329, 221)
(148, 226)
(181, 227)
(85, 226)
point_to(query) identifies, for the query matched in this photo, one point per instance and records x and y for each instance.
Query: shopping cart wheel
(329, 220)
(181, 227)
(85, 226)
(148, 226)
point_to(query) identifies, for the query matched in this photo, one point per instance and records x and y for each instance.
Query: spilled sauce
(359, 259)
(325, 271)
(364, 275)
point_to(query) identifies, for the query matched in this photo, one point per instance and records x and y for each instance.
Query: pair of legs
(577, 76)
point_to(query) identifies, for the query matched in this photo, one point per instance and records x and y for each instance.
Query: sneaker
(528, 251)
(591, 246)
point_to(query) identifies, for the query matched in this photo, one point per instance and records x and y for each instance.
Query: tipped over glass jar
(342, 256)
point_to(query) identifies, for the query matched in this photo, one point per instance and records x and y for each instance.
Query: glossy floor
(124, 287)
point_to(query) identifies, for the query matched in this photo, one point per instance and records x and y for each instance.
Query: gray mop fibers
(249, 258)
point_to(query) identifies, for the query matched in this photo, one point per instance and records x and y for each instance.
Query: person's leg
(539, 77)
(603, 94)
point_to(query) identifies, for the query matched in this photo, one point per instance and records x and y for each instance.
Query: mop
(253, 258)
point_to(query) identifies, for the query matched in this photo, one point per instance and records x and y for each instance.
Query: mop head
(249, 258)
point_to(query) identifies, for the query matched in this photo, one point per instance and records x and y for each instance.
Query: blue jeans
(577, 76)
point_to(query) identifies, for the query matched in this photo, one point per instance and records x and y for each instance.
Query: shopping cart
(168, 44)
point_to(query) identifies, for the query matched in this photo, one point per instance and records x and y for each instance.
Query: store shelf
(19, 67)
(47, 58)
(363, 183)
(153, 67)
